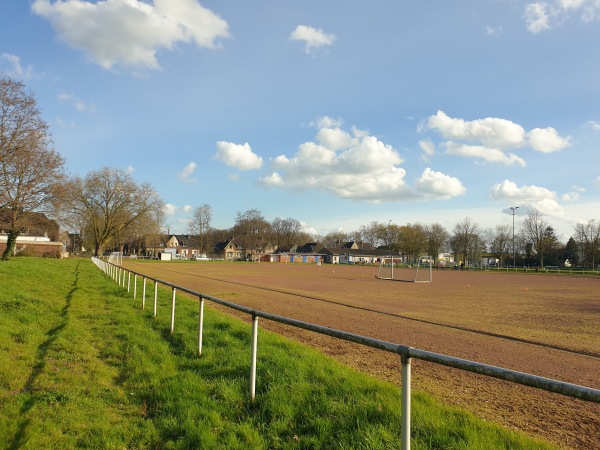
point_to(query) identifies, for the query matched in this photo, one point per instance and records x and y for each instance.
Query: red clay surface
(533, 323)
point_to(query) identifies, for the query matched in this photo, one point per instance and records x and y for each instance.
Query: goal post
(424, 275)
(390, 268)
(116, 258)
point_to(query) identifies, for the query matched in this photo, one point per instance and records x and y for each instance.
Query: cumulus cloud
(546, 140)
(313, 38)
(187, 208)
(239, 156)
(186, 174)
(489, 139)
(17, 70)
(528, 197)
(169, 209)
(130, 32)
(352, 164)
(486, 154)
(438, 185)
(542, 16)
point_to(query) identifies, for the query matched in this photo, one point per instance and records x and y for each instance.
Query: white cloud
(313, 38)
(593, 125)
(187, 208)
(488, 139)
(528, 197)
(186, 174)
(17, 70)
(428, 148)
(271, 180)
(130, 32)
(239, 156)
(355, 165)
(130, 169)
(170, 209)
(547, 140)
(78, 104)
(487, 154)
(492, 132)
(438, 185)
(542, 16)
(537, 17)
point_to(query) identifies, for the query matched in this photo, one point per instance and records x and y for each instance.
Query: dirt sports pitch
(540, 324)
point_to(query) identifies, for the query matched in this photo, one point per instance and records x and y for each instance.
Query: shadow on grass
(40, 363)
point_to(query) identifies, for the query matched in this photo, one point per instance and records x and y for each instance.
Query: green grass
(81, 366)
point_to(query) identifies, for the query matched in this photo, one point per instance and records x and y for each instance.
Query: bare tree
(588, 238)
(437, 239)
(373, 234)
(110, 202)
(465, 240)
(251, 230)
(498, 241)
(537, 231)
(200, 225)
(31, 171)
(412, 240)
(287, 232)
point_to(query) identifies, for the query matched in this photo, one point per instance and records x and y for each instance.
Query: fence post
(200, 325)
(155, 297)
(254, 351)
(135, 286)
(173, 311)
(144, 295)
(405, 444)
(128, 281)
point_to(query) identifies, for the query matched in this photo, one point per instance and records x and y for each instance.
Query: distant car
(202, 258)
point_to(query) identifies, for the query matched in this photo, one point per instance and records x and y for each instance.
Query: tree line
(534, 242)
(107, 209)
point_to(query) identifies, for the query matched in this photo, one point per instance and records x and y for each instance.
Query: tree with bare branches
(31, 171)
(109, 202)
(537, 231)
(200, 225)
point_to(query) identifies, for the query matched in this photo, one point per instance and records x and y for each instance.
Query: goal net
(116, 258)
(392, 268)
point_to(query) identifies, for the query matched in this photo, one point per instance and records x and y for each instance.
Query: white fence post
(128, 281)
(144, 295)
(200, 325)
(254, 351)
(405, 402)
(135, 286)
(155, 297)
(173, 311)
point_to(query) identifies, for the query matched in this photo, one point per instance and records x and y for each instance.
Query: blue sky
(334, 113)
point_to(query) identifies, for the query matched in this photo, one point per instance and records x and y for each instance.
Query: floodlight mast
(513, 236)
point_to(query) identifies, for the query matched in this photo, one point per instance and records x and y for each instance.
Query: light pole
(513, 243)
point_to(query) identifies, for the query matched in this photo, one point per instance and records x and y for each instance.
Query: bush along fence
(126, 278)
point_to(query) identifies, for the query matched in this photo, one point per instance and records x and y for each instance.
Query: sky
(335, 113)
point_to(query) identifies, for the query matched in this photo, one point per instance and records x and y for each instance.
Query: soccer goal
(390, 268)
(116, 258)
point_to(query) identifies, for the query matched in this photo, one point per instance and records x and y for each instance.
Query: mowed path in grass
(544, 325)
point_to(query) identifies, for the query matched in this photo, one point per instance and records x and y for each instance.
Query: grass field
(82, 366)
(536, 323)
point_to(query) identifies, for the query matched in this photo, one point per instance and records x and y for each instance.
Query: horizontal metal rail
(406, 353)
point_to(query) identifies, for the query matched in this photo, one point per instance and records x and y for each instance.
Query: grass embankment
(82, 367)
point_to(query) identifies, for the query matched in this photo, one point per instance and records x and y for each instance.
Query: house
(350, 253)
(228, 250)
(40, 237)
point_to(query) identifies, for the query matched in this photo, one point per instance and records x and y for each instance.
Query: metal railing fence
(119, 274)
